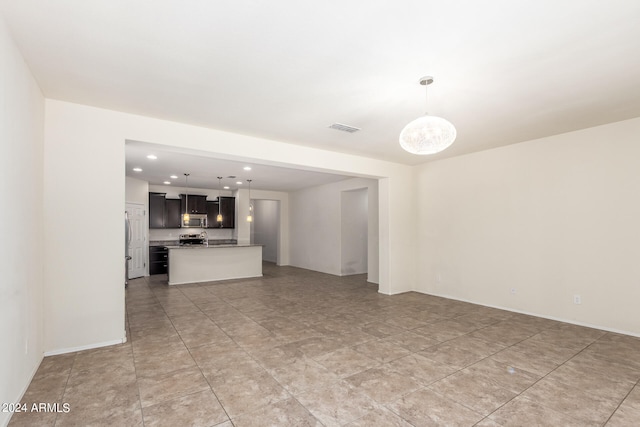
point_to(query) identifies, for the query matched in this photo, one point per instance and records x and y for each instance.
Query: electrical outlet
(577, 299)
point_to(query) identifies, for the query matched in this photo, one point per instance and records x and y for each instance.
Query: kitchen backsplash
(173, 233)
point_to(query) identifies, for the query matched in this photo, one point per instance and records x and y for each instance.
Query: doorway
(138, 243)
(265, 228)
(354, 234)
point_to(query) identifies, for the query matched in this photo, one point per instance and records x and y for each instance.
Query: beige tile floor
(300, 348)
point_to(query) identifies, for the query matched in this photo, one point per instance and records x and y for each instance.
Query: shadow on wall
(354, 231)
(265, 228)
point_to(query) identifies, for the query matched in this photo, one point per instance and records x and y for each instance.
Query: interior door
(138, 243)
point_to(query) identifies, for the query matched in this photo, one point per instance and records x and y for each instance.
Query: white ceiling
(505, 71)
(204, 169)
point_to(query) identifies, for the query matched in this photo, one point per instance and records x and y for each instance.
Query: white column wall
(85, 188)
(137, 191)
(397, 216)
(21, 223)
(84, 200)
(243, 228)
(550, 219)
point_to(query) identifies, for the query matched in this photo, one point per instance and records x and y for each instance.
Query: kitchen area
(193, 236)
(206, 248)
(198, 218)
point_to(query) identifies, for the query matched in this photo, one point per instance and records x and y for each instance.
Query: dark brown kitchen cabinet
(212, 213)
(194, 204)
(157, 210)
(227, 210)
(173, 217)
(158, 260)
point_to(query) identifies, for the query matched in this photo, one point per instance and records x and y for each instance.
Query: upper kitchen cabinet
(195, 204)
(212, 212)
(157, 210)
(227, 210)
(173, 215)
(163, 212)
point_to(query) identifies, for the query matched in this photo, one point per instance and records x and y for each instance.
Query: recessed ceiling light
(226, 187)
(239, 182)
(137, 169)
(173, 177)
(152, 157)
(247, 168)
(167, 182)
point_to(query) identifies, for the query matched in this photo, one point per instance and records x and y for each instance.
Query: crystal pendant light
(250, 216)
(185, 216)
(219, 217)
(427, 134)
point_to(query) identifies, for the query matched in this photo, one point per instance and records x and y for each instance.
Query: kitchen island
(199, 263)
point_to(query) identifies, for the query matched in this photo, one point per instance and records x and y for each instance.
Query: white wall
(550, 218)
(242, 231)
(21, 223)
(174, 233)
(137, 191)
(354, 231)
(265, 227)
(397, 238)
(83, 173)
(316, 227)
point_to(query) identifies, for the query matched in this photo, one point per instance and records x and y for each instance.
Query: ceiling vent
(344, 128)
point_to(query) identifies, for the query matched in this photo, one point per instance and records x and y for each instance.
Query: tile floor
(300, 348)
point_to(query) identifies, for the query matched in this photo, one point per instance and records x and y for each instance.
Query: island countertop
(175, 242)
(201, 263)
(222, 245)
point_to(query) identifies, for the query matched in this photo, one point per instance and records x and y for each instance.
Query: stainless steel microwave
(195, 221)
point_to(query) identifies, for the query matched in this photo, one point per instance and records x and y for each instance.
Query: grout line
(133, 356)
(194, 360)
(237, 305)
(66, 383)
(637, 383)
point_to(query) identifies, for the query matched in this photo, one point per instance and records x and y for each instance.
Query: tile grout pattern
(302, 348)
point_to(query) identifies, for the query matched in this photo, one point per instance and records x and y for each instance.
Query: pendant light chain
(426, 99)
(250, 216)
(185, 217)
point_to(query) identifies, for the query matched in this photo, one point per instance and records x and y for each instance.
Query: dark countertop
(221, 245)
(212, 242)
(162, 242)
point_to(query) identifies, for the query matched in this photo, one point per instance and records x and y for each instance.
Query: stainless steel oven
(192, 239)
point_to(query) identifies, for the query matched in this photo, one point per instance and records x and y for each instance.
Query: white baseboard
(85, 347)
(24, 389)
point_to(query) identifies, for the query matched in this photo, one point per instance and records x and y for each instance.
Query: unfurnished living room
(407, 213)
